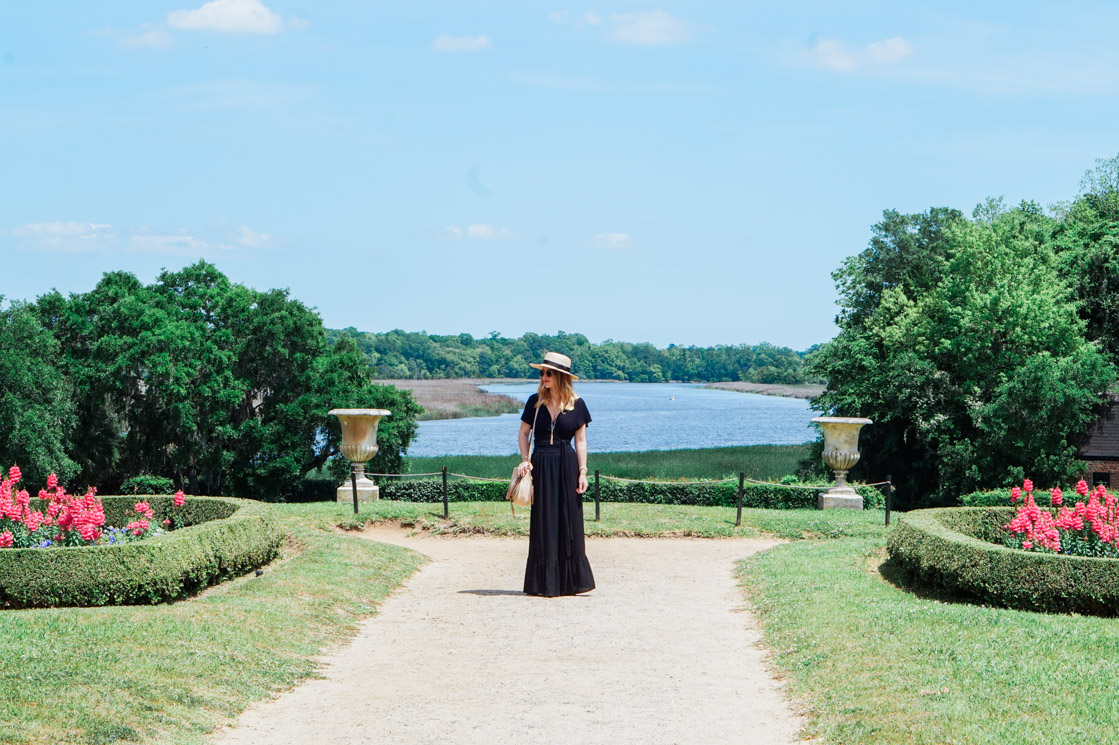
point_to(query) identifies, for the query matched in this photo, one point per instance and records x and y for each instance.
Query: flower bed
(219, 538)
(959, 550)
(57, 519)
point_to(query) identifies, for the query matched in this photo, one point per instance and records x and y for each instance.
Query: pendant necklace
(552, 433)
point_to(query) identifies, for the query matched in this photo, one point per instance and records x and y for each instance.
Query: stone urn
(359, 444)
(841, 453)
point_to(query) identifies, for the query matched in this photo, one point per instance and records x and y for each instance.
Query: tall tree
(37, 413)
(223, 388)
(976, 375)
(1087, 241)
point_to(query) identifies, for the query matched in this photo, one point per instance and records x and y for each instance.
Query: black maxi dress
(557, 559)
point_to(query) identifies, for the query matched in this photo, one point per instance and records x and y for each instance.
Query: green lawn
(171, 673)
(873, 662)
(878, 664)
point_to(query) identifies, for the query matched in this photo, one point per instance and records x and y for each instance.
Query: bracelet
(583, 469)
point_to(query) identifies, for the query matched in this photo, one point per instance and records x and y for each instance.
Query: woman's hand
(524, 468)
(582, 487)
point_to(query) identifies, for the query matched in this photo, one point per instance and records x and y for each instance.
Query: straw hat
(556, 361)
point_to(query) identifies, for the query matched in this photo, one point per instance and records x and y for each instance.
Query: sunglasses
(545, 373)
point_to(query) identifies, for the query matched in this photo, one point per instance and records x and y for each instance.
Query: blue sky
(685, 173)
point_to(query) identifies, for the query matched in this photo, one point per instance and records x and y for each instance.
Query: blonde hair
(561, 392)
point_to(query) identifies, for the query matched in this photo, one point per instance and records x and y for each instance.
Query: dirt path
(661, 652)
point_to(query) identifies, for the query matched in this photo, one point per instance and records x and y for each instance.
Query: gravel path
(662, 652)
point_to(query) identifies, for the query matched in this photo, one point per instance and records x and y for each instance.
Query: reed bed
(761, 462)
(793, 390)
(458, 398)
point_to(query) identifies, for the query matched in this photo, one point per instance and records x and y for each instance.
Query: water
(635, 416)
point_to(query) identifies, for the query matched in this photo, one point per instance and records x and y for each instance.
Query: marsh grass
(761, 462)
(457, 398)
(877, 664)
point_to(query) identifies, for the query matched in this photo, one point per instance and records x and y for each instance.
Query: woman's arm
(581, 456)
(523, 445)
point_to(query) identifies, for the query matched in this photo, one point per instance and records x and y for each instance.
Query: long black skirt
(557, 559)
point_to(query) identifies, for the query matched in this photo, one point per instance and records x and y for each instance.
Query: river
(635, 416)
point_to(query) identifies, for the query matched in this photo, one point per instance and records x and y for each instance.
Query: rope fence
(444, 473)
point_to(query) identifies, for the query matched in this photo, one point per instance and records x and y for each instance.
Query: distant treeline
(417, 355)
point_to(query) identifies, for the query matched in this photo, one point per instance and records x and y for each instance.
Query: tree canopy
(223, 388)
(37, 413)
(401, 354)
(963, 339)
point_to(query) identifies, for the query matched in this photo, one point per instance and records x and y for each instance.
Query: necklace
(552, 432)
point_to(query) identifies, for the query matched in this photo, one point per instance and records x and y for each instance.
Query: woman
(557, 560)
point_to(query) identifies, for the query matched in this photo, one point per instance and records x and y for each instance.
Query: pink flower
(180, 498)
(6, 539)
(14, 474)
(145, 509)
(1082, 488)
(1056, 497)
(167, 523)
(1014, 494)
(1028, 485)
(1027, 545)
(52, 481)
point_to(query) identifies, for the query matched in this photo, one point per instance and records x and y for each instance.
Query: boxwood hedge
(986, 498)
(224, 538)
(954, 550)
(713, 495)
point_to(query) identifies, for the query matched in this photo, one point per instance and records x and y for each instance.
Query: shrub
(954, 550)
(762, 496)
(986, 498)
(224, 538)
(146, 483)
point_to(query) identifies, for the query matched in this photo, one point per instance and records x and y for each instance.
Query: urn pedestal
(359, 444)
(841, 453)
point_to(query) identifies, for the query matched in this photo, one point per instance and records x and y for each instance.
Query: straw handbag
(520, 486)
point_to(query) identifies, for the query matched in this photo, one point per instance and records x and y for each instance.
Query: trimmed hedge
(761, 496)
(226, 538)
(953, 549)
(146, 483)
(988, 498)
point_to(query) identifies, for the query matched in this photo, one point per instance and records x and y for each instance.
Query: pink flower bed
(60, 519)
(1091, 528)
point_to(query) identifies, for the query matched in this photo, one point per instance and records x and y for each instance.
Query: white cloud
(479, 232)
(836, 54)
(488, 232)
(832, 55)
(568, 83)
(611, 240)
(248, 237)
(646, 28)
(64, 235)
(445, 43)
(180, 244)
(650, 28)
(238, 94)
(889, 51)
(228, 16)
(156, 38)
(60, 229)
